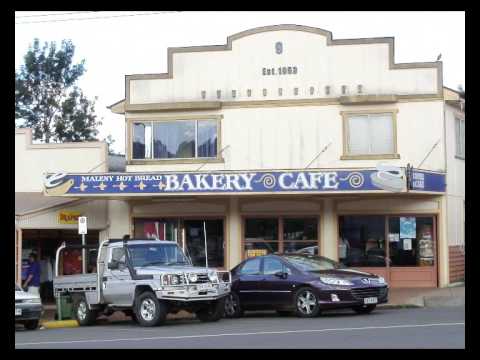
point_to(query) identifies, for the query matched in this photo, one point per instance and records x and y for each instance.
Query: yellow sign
(256, 252)
(68, 217)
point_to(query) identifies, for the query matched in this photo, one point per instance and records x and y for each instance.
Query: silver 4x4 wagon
(146, 279)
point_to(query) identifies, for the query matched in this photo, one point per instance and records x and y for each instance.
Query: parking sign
(82, 225)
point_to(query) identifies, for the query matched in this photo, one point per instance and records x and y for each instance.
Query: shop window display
(411, 241)
(171, 230)
(362, 241)
(299, 234)
(262, 236)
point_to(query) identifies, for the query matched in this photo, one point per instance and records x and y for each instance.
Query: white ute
(146, 279)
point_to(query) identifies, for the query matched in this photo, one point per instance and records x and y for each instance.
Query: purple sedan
(302, 284)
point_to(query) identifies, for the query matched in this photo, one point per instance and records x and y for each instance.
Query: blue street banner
(217, 182)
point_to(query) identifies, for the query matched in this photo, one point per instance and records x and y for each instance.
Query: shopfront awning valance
(30, 202)
(246, 182)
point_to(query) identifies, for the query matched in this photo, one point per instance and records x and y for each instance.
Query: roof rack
(128, 240)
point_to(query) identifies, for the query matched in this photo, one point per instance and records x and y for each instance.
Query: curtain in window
(358, 135)
(370, 134)
(381, 134)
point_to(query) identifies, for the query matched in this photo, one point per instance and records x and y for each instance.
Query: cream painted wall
(455, 181)
(31, 161)
(94, 210)
(290, 137)
(119, 219)
(241, 69)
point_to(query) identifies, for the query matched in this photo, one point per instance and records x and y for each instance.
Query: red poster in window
(154, 230)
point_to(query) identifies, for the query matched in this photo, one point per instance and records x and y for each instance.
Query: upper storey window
(460, 137)
(175, 139)
(370, 135)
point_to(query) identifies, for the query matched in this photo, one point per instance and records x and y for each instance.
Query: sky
(114, 44)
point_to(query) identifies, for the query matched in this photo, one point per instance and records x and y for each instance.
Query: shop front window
(362, 241)
(160, 229)
(410, 241)
(173, 229)
(263, 235)
(299, 234)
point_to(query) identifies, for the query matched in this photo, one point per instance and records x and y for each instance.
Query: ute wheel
(149, 311)
(82, 313)
(284, 313)
(232, 306)
(31, 324)
(364, 309)
(213, 312)
(306, 303)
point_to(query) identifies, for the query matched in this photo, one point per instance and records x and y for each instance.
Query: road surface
(384, 328)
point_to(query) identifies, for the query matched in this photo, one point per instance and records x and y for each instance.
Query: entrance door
(195, 242)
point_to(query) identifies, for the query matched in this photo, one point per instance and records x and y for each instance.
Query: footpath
(454, 295)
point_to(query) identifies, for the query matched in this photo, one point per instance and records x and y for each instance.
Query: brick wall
(457, 263)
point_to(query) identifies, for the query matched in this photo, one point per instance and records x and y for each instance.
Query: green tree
(47, 98)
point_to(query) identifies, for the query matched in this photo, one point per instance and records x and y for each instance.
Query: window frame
(346, 135)
(458, 137)
(152, 120)
(280, 218)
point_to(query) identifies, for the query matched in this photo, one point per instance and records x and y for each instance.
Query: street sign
(82, 225)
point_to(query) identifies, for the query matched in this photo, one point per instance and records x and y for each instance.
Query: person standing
(32, 283)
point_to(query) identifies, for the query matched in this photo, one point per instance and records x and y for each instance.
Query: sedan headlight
(335, 281)
(381, 280)
(213, 276)
(33, 301)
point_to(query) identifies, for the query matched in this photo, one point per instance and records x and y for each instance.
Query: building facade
(280, 141)
(42, 223)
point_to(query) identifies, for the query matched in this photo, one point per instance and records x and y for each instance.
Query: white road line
(238, 334)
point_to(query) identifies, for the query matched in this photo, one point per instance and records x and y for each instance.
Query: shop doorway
(195, 242)
(44, 243)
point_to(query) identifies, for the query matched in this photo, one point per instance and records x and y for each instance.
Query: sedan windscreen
(313, 263)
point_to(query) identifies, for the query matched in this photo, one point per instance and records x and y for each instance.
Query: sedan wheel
(306, 303)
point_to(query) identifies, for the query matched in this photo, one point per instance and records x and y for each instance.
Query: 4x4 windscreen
(313, 263)
(157, 254)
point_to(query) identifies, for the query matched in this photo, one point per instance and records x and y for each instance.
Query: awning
(28, 202)
(311, 181)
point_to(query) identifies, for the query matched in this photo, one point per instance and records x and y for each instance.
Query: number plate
(370, 300)
(18, 312)
(204, 286)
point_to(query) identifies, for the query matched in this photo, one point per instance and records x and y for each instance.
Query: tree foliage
(47, 98)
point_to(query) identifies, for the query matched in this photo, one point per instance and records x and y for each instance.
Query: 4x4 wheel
(82, 313)
(31, 324)
(306, 303)
(232, 306)
(149, 311)
(213, 312)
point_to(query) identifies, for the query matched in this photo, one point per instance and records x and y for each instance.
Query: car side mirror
(281, 274)
(113, 265)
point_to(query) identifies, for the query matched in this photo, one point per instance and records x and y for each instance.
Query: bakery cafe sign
(312, 181)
